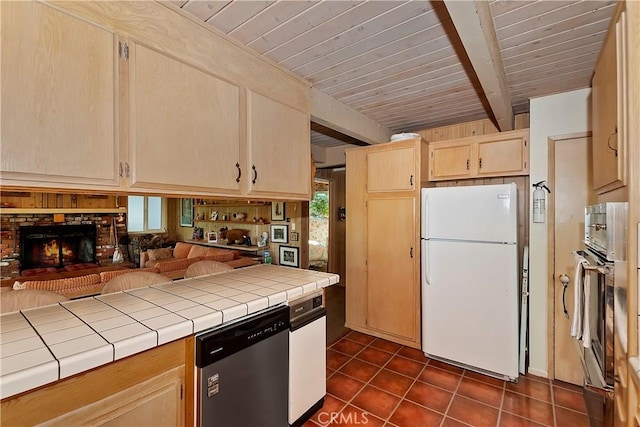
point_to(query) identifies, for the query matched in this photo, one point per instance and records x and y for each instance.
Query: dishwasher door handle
(303, 321)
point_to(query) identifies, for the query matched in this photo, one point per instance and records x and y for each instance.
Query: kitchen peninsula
(50, 354)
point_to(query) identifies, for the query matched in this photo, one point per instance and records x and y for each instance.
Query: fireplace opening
(54, 247)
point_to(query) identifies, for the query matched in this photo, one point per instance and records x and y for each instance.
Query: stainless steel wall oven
(603, 304)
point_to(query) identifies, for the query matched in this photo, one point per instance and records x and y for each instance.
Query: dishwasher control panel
(304, 305)
(224, 341)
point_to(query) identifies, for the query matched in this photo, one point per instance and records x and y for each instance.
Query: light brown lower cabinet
(147, 389)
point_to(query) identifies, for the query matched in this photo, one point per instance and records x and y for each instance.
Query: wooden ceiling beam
(474, 25)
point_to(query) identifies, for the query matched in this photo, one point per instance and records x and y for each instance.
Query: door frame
(551, 235)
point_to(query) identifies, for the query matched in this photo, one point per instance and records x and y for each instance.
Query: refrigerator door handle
(425, 216)
(425, 265)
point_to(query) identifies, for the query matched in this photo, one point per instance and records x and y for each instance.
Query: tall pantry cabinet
(383, 240)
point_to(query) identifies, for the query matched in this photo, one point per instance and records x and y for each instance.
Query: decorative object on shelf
(289, 256)
(267, 257)
(214, 216)
(294, 236)
(186, 212)
(212, 237)
(279, 233)
(198, 233)
(237, 236)
(259, 220)
(238, 216)
(277, 211)
(264, 238)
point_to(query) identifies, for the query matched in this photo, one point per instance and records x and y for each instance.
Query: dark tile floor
(373, 382)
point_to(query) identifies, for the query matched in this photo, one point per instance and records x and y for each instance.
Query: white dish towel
(580, 324)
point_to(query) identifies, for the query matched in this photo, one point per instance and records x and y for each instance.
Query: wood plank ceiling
(403, 64)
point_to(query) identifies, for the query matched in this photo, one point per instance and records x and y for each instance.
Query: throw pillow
(157, 254)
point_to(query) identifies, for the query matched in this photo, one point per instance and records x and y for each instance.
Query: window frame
(163, 215)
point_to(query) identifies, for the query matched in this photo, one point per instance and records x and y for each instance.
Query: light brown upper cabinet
(497, 154)
(608, 99)
(393, 170)
(278, 149)
(184, 126)
(58, 99)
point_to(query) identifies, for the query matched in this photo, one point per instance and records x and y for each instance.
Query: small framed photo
(186, 212)
(280, 233)
(277, 211)
(289, 256)
(294, 236)
(212, 237)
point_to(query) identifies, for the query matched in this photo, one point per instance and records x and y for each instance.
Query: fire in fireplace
(55, 246)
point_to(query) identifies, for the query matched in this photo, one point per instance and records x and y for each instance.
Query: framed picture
(280, 233)
(294, 236)
(277, 211)
(186, 212)
(289, 256)
(212, 237)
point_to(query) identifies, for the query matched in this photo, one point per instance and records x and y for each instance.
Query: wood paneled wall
(28, 200)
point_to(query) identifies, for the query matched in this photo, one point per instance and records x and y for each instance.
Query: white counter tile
(163, 321)
(206, 321)
(149, 313)
(126, 331)
(85, 306)
(110, 313)
(137, 307)
(205, 299)
(256, 305)
(67, 334)
(16, 347)
(135, 344)
(229, 292)
(174, 331)
(292, 293)
(85, 360)
(179, 305)
(21, 361)
(47, 312)
(46, 328)
(37, 375)
(13, 322)
(310, 287)
(222, 304)
(277, 298)
(112, 323)
(17, 335)
(77, 345)
(15, 316)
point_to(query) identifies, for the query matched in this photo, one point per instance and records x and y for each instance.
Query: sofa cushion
(60, 286)
(105, 276)
(182, 250)
(198, 251)
(163, 253)
(167, 265)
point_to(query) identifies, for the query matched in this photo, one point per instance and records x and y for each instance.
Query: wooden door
(571, 189)
(501, 157)
(278, 149)
(392, 170)
(58, 97)
(607, 151)
(392, 286)
(449, 162)
(184, 127)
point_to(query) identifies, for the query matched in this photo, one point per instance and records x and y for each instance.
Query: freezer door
(470, 304)
(479, 213)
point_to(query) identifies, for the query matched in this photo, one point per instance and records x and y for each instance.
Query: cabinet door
(392, 285)
(279, 149)
(608, 166)
(391, 170)
(449, 162)
(155, 402)
(502, 157)
(58, 93)
(184, 128)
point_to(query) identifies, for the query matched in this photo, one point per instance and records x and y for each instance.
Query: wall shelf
(233, 222)
(232, 205)
(18, 211)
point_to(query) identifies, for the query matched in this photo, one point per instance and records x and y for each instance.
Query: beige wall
(554, 115)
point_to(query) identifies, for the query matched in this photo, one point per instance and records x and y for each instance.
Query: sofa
(173, 262)
(71, 287)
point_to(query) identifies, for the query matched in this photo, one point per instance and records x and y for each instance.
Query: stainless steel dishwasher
(243, 372)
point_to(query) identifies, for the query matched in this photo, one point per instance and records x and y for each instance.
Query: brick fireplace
(12, 224)
(53, 247)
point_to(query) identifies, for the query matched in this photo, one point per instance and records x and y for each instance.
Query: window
(146, 214)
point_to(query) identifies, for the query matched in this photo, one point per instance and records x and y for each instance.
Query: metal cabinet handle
(480, 162)
(255, 174)
(411, 180)
(615, 132)
(411, 252)
(120, 169)
(564, 279)
(127, 170)
(467, 164)
(239, 172)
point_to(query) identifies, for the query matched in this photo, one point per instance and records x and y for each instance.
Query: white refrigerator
(470, 277)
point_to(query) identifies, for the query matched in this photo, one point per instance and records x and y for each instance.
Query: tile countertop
(42, 345)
